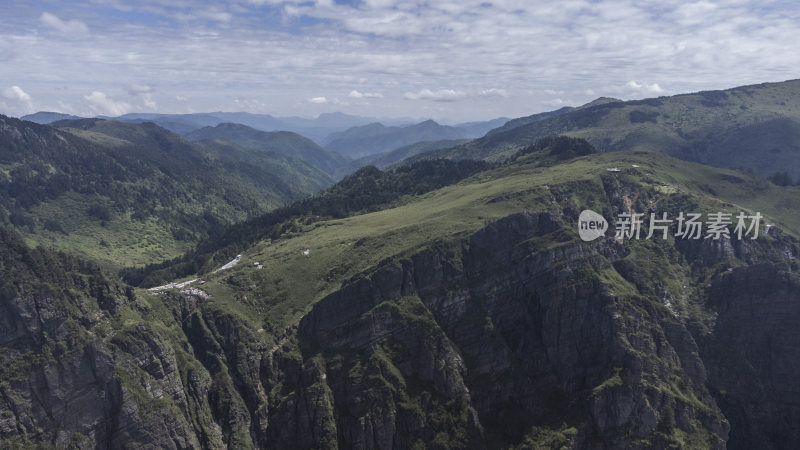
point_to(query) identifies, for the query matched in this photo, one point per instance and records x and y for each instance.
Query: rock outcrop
(518, 335)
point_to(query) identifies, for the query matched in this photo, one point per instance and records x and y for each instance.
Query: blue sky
(452, 59)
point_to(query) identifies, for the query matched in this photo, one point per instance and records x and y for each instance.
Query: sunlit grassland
(290, 282)
(119, 242)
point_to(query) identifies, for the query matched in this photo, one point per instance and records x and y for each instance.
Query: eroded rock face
(72, 393)
(64, 385)
(753, 357)
(517, 335)
(534, 337)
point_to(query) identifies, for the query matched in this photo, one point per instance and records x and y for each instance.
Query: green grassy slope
(368, 189)
(751, 126)
(291, 282)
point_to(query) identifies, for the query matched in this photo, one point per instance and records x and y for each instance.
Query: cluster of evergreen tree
(783, 179)
(558, 148)
(23, 269)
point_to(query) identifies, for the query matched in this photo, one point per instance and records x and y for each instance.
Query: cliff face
(64, 384)
(752, 355)
(532, 340)
(518, 335)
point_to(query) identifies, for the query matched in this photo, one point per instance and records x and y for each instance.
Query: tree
(781, 179)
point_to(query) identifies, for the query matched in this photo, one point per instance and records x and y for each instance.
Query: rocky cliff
(752, 355)
(517, 335)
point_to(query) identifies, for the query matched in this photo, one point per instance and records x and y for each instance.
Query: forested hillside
(134, 193)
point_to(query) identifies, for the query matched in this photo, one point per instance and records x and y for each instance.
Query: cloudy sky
(449, 59)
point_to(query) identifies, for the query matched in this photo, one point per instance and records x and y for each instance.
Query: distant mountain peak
(375, 138)
(336, 114)
(79, 122)
(600, 101)
(231, 126)
(47, 117)
(427, 123)
(375, 125)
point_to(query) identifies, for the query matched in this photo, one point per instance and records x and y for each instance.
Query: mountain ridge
(470, 316)
(284, 142)
(377, 138)
(756, 126)
(442, 303)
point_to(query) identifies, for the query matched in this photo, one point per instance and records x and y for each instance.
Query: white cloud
(251, 105)
(20, 98)
(262, 2)
(493, 92)
(357, 94)
(71, 28)
(318, 100)
(102, 104)
(634, 89)
(554, 102)
(138, 89)
(222, 51)
(149, 103)
(645, 88)
(146, 93)
(116, 4)
(211, 15)
(16, 93)
(442, 95)
(218, 16)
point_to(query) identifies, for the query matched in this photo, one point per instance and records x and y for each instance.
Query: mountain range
(220, 290)
(755, 127)
(470, 316)
(318, 129)
(374, 138)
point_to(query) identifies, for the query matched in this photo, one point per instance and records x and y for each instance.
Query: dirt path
(183, 284)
